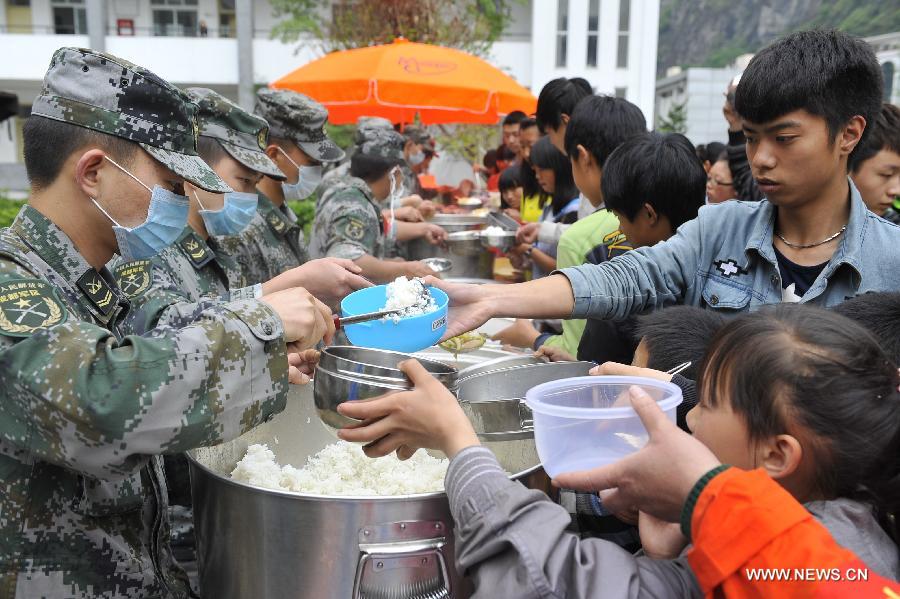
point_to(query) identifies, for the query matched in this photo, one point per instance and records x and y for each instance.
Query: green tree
(470, 25)
(675, 121)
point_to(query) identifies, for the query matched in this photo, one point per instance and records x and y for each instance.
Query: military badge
(262, 138)
(27, 305)
(197, 251)
(355, 229)
(277, 223)
(98, 291)
(134, 277)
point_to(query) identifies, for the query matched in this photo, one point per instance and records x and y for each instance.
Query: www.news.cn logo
(806, 574)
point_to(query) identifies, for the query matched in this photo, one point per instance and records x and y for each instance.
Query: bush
(306, 213)
(8, 210)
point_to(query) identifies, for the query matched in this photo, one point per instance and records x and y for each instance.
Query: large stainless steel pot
(494, 400)
(264, 544)
(463, 264)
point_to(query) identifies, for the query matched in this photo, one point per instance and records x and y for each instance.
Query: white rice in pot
(343, 469)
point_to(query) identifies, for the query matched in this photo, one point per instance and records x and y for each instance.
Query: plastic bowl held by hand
(409, 334)
(584, 422)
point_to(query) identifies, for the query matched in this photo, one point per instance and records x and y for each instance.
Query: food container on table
(464, 262)
(406, 334)
(346, 373)
(585, 422)
(498, 240)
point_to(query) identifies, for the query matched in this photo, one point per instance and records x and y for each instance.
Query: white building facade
(611, 43)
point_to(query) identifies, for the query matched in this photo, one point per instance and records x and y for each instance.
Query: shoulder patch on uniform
(98, 291)
(27, 305)
(197, 251)
(278, 223)
(134, 277)
(355, 229)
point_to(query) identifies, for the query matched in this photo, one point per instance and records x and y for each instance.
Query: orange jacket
(745, 525)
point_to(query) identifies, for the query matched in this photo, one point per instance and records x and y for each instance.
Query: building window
(227, 19)
(621, 92)
(593, 39)
(175, 18)
(562, 32)
(887, 70)
(624, 18)
(69, 17)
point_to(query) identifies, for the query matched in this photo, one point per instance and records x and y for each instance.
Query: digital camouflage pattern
(420, 136)
(164, 289)
(243, 135)
(86, 412)
(272, 243)
(113, 96)
(384, 144)
(300, 119)
(348, 223)
(364, 124)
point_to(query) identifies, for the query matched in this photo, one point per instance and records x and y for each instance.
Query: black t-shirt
(795, 279)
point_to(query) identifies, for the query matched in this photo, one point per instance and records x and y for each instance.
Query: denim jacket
(724, 260)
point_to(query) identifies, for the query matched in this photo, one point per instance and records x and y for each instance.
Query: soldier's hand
(434, 234)
(329, 279)
(306, 320)
(301, 364)
(427, 208)
(406, 214)
(413, 200)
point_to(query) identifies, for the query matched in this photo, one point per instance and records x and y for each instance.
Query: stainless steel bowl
(465, 243)
(499, 364)
(347, 373)
(438, 265)
(500, 241)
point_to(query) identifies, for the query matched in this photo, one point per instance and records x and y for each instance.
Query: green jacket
(85, 413)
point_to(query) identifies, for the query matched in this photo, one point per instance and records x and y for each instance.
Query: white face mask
(309, 178)
(416, 159)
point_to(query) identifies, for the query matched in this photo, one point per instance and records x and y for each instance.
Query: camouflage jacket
(333, 177)
(271, 244)
(86, 411)
(164, 290)
(348, 223)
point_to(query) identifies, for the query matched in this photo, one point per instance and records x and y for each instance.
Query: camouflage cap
(299, 118)
(419, 136)
(387, 144)
(370, 123)
(243, 135)
(110, 95)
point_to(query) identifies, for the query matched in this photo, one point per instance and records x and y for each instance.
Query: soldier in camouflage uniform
(418, 152)
(85, 410)
(364, 124)
(274, 242)
(350, 223)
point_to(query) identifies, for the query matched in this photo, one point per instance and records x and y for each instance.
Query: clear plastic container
(585, 422)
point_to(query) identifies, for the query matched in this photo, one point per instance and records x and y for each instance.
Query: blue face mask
(166, 219)
(233, 217)
(309, 178)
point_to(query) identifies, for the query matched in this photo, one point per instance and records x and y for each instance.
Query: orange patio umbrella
(399, 80)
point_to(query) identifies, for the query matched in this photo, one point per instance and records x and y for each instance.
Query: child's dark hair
(370, 168)
(676, 335)
(827, 73)
(711, 151)
(812, 373)
(883, 134)
(490, 159)
(514, 118)
(600, 124)
(509, 179)
(879, 313)
(657, 169)
(544, 155)
(560, 97)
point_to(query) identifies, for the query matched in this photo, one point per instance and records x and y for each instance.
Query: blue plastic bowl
(411, 334)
